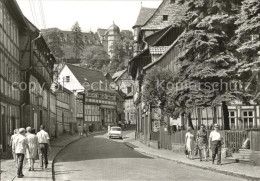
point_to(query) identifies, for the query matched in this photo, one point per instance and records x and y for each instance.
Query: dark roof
(101, 31)
(161, 58)
(87, 75)
(127, 33)
(151, 39)
(16, 12)
(144, 15)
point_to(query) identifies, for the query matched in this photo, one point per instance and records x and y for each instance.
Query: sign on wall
(156, 113)
(156, 125)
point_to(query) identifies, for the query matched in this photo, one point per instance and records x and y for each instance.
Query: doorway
(3, 124)
(40, 117)
(102, 117)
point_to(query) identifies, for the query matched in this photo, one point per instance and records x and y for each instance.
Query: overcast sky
(91, 14)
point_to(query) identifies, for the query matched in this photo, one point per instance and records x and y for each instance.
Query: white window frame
(248, 117)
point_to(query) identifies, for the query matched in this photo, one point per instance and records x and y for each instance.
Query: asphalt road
(98, 158)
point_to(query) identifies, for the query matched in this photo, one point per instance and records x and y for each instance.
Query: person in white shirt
(44, 144)
(19, 147)
(215, 140)
(12, 140)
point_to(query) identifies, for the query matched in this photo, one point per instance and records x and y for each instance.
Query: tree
(248, 45)
(55, 43)
(78, 43)
(96, 59)
(156, 84)
(117, 59)
(121, 52)
(207, 60)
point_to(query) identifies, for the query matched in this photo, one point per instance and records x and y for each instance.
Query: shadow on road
(97, 148)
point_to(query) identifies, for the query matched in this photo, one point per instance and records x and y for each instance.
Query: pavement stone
(228, 167)
(9, 169)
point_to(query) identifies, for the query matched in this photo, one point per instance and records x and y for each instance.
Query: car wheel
(109, 137)
(121, 138)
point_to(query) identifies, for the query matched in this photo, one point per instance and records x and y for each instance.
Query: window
(247, 119)
(67, 78)
(129, 90)
(254, 37)
(232, 119)
(165, 17)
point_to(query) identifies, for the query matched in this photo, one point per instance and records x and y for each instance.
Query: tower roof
(113, 29)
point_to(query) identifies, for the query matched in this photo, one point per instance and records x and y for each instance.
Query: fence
(232, 138)
(254, 137)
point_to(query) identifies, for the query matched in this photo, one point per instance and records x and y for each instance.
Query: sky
(91, 14)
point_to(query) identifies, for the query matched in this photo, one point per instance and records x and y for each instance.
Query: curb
(135, 148)
(132, 146)
(64, 146)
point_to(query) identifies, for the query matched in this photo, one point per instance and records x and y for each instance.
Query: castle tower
(113, 36)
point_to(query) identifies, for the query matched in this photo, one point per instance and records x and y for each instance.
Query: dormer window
(172, 1)
(165, 17)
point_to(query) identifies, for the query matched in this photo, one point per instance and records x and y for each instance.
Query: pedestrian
(108, 128)
(44, 144)
(189, 142)
(28, 129)
(27, 132)
(215, 144)
(80, 130)
(33, 146)
(85, 130)
(202, 142)
(19, 147)
(12, 140)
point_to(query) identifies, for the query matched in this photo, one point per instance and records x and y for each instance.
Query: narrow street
(98, 158)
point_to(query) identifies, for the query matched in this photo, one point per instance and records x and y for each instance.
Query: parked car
(115, 132)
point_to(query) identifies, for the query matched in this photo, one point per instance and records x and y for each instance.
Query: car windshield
(116, 129)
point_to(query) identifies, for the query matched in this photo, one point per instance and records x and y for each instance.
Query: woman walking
(80, 130)
(189, 142)
(33, 146)
(12, 140)
(202, 142)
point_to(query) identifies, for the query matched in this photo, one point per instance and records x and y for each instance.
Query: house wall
(174, 11)
(73, 84)
(9, 73)
(64, 112)
(53, 116)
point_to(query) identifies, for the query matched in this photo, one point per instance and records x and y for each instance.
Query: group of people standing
(202, 144)
(83, 130)
(26, 144)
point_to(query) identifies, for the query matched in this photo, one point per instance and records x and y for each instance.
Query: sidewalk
(228, 167)
(9, 169)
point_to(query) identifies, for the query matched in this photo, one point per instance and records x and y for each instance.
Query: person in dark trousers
(85, 130)
(19, 147)
(44, 145)
(215, 143)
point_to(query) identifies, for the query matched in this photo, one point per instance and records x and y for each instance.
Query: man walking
(44, 144)
(215, 139)
(19, 147)
(85, 129)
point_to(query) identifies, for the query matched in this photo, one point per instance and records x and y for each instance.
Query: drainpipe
(22, 118)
